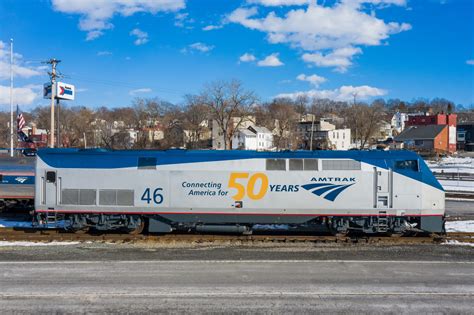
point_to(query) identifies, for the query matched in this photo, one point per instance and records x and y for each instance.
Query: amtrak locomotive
(17, 180)
(231, 191)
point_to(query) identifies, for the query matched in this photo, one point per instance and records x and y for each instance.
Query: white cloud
(274, 3)
(212, 27)
(343, 93)
(329, 35)
(183, 20)
(141, 36)
(104, 53)
(19, 68)
(247, 58)
(340, 58)
(140, 91)
(198, 46)
(96, 14)
(270, 61)
(470, 62)
(25, 95)
(313, 79)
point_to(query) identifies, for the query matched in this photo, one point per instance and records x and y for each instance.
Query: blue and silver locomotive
(343, 191)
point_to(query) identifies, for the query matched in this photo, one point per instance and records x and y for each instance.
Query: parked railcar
(17, 182)
(231, 191)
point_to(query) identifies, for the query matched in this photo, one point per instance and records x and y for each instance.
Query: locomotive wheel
(139, 229)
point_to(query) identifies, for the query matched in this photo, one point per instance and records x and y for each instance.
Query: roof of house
(420, 132)
(246, 132)
(261, 129)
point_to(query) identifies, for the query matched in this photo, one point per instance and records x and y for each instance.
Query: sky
(116, 50)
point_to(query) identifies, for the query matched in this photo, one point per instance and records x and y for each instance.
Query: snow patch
(460, 226)
(457, 185)
(454, 242)
(28, 244)
(452, 165)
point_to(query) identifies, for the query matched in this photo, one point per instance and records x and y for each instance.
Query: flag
(20, 120)
(20, 123)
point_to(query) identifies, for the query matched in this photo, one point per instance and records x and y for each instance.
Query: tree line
(229, 105)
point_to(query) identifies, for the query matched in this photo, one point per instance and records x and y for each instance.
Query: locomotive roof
(231, 154)
(109, 159)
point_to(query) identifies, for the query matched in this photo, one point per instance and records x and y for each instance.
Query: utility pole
(312, 130)
(11, 97)
(53, 62)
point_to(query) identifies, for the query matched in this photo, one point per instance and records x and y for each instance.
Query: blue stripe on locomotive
(105, 159)
(18, 180)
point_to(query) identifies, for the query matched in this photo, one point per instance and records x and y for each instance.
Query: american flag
(20, 120)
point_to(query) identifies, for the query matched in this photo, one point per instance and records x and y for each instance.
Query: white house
(253, 138)
(398, 121)
(340, 139)
(218, 134)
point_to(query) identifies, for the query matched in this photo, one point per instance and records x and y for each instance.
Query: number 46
(157, 196)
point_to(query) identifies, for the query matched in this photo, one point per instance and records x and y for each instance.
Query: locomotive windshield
(408, 165)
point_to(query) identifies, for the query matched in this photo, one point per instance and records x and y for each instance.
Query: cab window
(407, 165)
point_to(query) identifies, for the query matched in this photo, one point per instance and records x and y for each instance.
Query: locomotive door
(50, 188)
(382, 188)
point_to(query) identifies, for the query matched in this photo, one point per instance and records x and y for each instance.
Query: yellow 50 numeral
(252, 180)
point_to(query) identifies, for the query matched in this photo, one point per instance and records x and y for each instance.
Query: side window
(310, 164)
(147, 163)
(296, 164)
(50, 177)
(411, 165)
(341, 165)
(276, 164)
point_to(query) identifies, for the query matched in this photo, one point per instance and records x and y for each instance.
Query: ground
(301, 278)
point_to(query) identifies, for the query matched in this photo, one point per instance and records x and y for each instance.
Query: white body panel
(205, 188)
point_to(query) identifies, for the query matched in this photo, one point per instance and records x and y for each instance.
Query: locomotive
(17, 179)
(232, 191)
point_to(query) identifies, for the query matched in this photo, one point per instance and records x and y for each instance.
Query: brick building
(447, 120)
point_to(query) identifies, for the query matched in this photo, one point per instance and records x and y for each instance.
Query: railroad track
(15, 234)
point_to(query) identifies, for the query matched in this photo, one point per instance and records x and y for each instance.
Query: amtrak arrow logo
(65, 90)
(21, 179)
(330, 191)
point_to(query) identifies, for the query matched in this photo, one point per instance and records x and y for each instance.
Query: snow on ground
(457, 185)
(7, 223)
(454, 242)
(28, 244)
(460, 226)
(452, 165)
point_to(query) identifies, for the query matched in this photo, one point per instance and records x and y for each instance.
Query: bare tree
(364, 122)
(196, 120)
(229, 105)
(283, 117)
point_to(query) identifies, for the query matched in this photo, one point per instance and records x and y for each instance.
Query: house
(398, 121)
(440, 119)
(324, 136)
(465, 136)
(430, 138)
(253, 138)
(218, 142)
(339, 139)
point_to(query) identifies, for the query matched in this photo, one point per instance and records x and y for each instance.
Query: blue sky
(115, 50)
